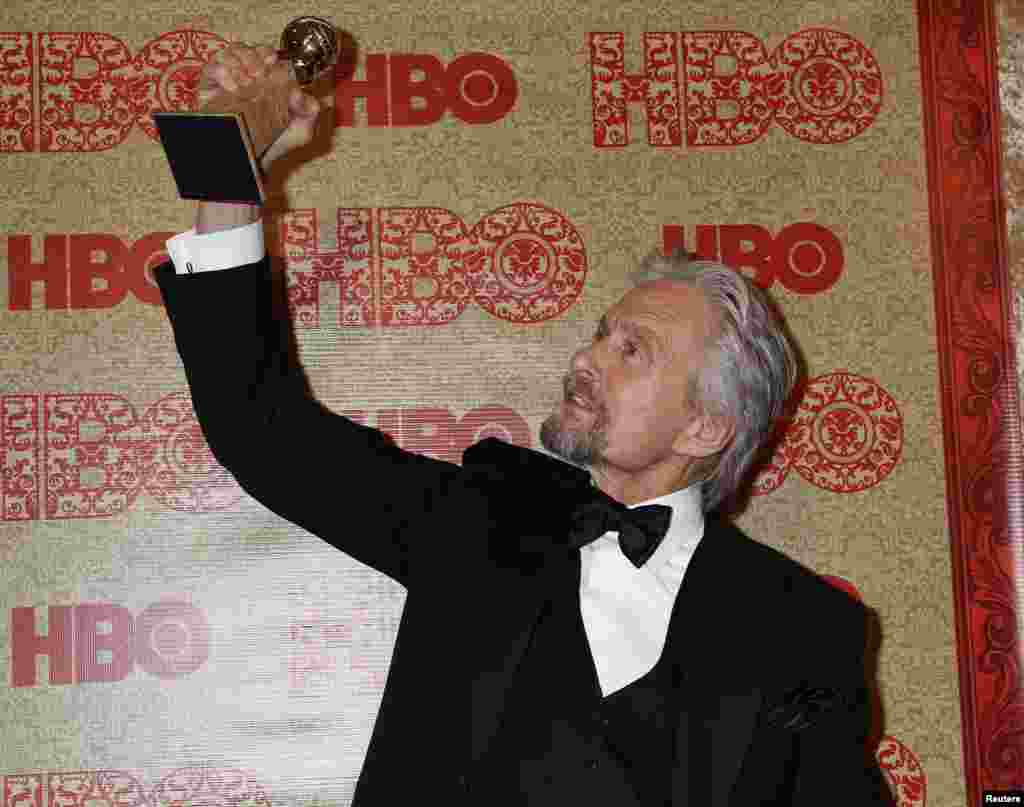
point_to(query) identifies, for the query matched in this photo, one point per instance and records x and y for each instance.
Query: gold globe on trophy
(214, 153)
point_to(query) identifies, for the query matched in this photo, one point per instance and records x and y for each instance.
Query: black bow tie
(640, 529)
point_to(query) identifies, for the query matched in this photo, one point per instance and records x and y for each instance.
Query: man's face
(625, 399)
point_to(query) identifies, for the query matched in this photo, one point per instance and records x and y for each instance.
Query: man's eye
(630, 348)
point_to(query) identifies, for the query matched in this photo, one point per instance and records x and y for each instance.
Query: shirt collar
(685, 529)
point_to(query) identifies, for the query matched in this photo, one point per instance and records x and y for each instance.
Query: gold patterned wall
(1011, 97)
(794, 145)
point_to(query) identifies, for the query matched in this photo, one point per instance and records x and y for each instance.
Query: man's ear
(705, 435)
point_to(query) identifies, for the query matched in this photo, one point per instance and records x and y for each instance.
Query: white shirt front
(625, 610)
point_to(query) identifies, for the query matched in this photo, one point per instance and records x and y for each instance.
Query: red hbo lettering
(426, 91)
(423, 266)
(343, 259)
(84, 270)
(415, 89)
(726, 89)
(207, 784)
(91, 455)
(95, 642)
(394, 267)
(523, 263)
(804, 257)
(22, 271)
(808, 257)
(747, 246)
(17, 78)
(172, 639)
(831, 86)
(103, 642)
(439, 434)
(481, 88)
(181, 472)
(19, 447)
(532, 263)
(657, 89)
(493, 421)
(94, 92)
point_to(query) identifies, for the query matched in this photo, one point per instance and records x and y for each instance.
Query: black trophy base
(210, 156)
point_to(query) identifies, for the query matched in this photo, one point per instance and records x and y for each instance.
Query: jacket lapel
(531, 496)
(502, 650)
(718, 701)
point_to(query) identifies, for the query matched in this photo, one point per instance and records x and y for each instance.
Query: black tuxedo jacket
(768, 658)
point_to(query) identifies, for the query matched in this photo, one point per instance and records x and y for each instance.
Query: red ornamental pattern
(230, 787)
(903, 772)
(531, 264)
(185, 787)
(346, 262)
(980, 405)
(846, 436)
(17, 116)
(423, 253)
(184, 475)
(93, 109)
(19, 444)
(417, 266)
(835, 86)
(97, 455)
(821, 86)
(731, 106)
(91, 455)
(316, 644)
(657, 89)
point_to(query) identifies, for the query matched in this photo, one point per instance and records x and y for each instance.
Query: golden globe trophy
(214, 153)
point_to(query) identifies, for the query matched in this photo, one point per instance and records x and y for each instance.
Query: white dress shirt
(625, 610)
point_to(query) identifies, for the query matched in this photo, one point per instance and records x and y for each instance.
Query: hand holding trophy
(214, 153)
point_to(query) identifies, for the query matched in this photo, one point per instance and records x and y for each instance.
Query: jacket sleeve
(344, 482)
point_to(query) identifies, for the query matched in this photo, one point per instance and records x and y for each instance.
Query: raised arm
(231, 69)
(342, 481)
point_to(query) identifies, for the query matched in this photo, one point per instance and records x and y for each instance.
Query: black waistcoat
(561, 742)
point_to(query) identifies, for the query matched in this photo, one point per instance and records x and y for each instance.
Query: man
(555, 647)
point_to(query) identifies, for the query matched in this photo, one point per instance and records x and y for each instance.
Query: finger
(252, 63)
(303, 106)
(222, 71)
(217, 77)
(228, 55)
(303, 110)
(266, 54)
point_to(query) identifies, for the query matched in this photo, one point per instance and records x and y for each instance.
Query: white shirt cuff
(223, 249)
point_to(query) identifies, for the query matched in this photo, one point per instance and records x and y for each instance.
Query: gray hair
(749, 370)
